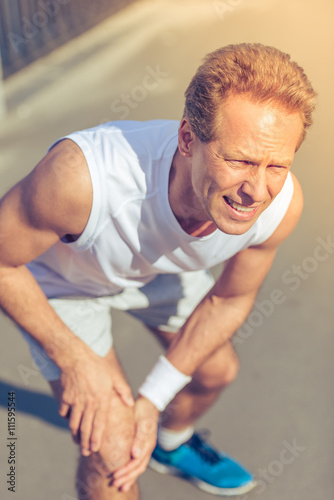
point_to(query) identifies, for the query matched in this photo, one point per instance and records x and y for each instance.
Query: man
(130, 215)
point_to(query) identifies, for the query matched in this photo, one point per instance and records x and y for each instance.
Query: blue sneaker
(209, 469)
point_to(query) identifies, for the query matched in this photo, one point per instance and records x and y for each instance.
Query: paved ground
(282, 399)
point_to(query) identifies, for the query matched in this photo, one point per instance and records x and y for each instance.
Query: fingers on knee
(114, 452)
(117, 439)
(108, 459)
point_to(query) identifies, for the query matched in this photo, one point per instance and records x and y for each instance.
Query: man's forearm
(213, 322)
(24, 301)
(210, 326)
(88, 382)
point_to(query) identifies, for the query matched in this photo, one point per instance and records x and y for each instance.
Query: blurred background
(71, 64)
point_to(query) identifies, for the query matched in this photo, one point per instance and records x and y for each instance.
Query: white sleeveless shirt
(132, 234)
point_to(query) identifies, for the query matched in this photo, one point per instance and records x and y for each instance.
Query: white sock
(170, 440)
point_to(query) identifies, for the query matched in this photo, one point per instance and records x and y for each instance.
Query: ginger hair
(261, 73)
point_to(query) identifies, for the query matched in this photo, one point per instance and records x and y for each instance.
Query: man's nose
(256, 186)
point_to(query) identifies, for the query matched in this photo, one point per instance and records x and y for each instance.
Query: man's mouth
(236, 206)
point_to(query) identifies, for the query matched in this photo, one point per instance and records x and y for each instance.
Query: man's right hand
(34, 215)
(89, 382)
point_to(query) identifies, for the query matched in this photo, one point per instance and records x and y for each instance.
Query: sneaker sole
(208, 488)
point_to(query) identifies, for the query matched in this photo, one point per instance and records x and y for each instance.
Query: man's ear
(186, 138)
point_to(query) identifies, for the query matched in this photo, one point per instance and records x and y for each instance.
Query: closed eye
(239, 162)
(248, 162)
(242, 163)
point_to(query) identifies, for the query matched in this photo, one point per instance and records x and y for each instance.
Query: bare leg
(95, 472)
(207, 383)
(94, 476)
(93, 482)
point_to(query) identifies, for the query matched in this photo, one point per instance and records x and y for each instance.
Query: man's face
(237, 176)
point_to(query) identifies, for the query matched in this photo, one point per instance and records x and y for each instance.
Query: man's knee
(117, 439)
(92, 476)
(116, 444)
(96, 471)
(218, 371)
(112, 455)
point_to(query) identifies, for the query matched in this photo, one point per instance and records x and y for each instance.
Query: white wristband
(163, 383)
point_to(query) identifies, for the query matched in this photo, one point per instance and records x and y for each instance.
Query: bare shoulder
(290, 219)
(53, 200)
(57, 194)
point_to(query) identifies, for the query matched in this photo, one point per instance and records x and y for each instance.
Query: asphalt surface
(277, 417)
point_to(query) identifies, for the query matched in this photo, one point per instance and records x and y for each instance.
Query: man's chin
(235, 228)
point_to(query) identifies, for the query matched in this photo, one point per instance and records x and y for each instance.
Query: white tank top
(132, 234)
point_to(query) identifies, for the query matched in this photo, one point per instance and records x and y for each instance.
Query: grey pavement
(277, 417)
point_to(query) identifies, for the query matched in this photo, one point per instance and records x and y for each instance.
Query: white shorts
(164, 303)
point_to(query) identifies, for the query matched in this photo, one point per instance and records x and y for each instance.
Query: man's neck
(198, 229)
(183, 200)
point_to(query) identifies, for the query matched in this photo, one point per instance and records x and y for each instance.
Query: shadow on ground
(33, 403)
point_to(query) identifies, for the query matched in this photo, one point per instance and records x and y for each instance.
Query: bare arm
(34, 215)
(228, 304)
